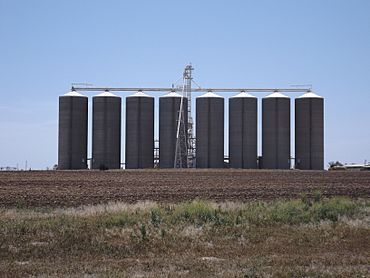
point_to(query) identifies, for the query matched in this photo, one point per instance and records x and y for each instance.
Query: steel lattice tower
(184, 152)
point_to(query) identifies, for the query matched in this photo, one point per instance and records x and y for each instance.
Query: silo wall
(106, 137)
(309, 133)
(209, 132)
(72, 133)
(243, 132)
(276, 133)
(139, 132)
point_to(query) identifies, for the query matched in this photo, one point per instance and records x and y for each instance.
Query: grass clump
(143, 232)
(292, 212)
(156, 217)
(332, 209)
(195, 212)
(303, 210)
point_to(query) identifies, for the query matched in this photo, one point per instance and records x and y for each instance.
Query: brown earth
(74, 188)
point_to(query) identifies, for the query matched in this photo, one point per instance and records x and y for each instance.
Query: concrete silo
(169, 107)
(72, 137)
(139, 131)
(309, 132)
(276, 131)
(210, 131)
(243, 131)
(106, 135)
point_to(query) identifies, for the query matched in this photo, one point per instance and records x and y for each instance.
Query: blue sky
(47, 45)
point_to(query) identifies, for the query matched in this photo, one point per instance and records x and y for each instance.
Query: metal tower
(185, 151)
(181, 151)
(188, 79)
(190, 134)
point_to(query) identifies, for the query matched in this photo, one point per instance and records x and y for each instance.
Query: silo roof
(243, 95)
(74, 94)
(139, 94)
(310, 95)
(209, 94)
(276, 95)
(106, 94)
(172, 94)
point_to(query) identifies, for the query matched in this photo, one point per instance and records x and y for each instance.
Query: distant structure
(309, 132)
(139, 131)
(9, 168)
(357, 167)
(106, 134)
(210, 131)
(243, 131)
(72, 138)
(276, 131)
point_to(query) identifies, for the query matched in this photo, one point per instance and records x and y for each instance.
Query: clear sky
(47, 45)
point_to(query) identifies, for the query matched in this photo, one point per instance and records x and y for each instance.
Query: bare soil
(75, 188)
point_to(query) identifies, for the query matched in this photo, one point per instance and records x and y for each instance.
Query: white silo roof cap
(209, 94)
(276, 95)
(243, 95)
(310, 95)
(106, 94)
(74, 94)
(139, 94)
(172, 94)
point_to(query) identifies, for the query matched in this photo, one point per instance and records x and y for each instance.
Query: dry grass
(308, 237)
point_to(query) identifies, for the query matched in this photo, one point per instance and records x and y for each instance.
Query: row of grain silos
(106, 135)
(276, 133)
(106, 131)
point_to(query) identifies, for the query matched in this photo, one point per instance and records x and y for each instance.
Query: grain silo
(243, 131)
(106, 134)
(210, 131)
(169, 107)
(139, 131)
(309, 132)
(72, 138)
(276, 131)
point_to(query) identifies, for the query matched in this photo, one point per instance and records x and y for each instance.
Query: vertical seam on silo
(139, 115)
(92, 138)
(174, 130)
(70, 133)
(243, 100)
(310, 132)
(208, 131)
(105, 128)
(228, 122)
(276, 134)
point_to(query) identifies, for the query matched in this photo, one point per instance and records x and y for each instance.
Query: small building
(357, 167)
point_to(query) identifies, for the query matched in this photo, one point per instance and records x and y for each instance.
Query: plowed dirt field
(74, 188)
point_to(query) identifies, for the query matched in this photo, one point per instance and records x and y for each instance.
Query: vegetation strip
(306, 236)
